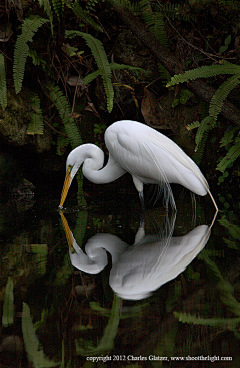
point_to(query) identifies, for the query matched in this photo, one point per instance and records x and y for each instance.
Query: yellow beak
(66, 186)
(68, 232)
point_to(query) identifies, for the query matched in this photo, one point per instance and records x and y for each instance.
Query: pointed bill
(68, 232)
(66, 185)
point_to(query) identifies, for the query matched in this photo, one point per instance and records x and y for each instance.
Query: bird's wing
(178, 154)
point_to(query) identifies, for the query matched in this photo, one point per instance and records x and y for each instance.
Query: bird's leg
(141, 196)
(139, 186)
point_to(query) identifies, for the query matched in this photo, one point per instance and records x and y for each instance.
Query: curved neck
(107, 174)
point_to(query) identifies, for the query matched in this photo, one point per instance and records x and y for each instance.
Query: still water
(163, 292)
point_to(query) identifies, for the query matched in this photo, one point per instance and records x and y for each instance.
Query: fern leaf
(203, 109)
(3, 85)
(64, 111)
(233, 229)
(116, 66)
(62, 143)
(221, 94)
(199, 150)
(204, 72)
(205, 126)
(36, 124)
(84, 16)
(29, 28)
(164, 73)
(102, 63)
(134, 7)
(8, 308)
(193, 125)
(228, 323)
(232, 154)
(47, 8)
(58, 6)
(32, 345)
(90, 77)
(228, 136)
(148, 15)
(161, 33)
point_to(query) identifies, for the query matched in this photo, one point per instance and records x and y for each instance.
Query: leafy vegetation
(34, 351)
(50, 51)
(210, 121)
(29, 28)
(36, 125)
(8, 307)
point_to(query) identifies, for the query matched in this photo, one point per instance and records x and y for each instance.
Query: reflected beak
(68, 232)
(66, 185)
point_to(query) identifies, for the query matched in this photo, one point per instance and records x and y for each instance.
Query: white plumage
(149, 156)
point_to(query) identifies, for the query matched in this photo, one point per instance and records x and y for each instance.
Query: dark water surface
(165, 295)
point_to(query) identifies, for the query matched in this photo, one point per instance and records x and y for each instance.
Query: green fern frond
(161, 33)
(3, 85)
(90, 77)
(228, 323)
(205, 126)
(100, 56)
(199, 151)
(193, 125)
(203, 109)
(154, 21)
(62, 143)
(36, 124)
(232, 154)
(134, 6)
(228, 136)
(116, 66)
(58, 6)
(148, 15)
(64, 111)
(8, 306)
(221, 94)
(32, 345)
(164, 74)
(233, 229)
(29, 28)
(48, 10)
(84, 16)
(204, 72)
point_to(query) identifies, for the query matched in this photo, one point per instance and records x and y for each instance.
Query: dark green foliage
(154, 20)
(58, 6)
(36, 124)
(29, 28)
(84, 16)
(48, 10)
(232, 154)
(3, 85)
(102, 62)
(8, 307)
(33, 348)
(215, 106)
(65, 114)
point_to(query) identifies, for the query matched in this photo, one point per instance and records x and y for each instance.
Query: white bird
(139, 269)
(149, 156)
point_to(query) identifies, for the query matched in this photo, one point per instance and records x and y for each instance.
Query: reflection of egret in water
(142, 268)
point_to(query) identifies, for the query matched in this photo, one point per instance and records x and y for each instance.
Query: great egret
(149, 156)
(139, 269)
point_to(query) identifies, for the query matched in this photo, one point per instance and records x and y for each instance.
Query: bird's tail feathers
(163, 184)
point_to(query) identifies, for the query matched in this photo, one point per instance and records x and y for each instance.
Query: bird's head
(72, 165)
(92, 158)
